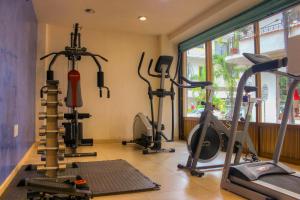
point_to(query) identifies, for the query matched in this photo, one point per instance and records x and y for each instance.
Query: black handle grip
(108, 94)
(75, 35)
(100, 79)
(50, 75)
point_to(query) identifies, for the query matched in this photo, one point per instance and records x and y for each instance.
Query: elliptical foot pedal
(172, 150)
(145, 151)
(180, 166)
(197, 173)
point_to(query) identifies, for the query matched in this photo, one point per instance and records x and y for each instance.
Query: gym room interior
(149, 99)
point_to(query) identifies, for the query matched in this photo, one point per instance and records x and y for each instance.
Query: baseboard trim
(14, 172)
(103, 141)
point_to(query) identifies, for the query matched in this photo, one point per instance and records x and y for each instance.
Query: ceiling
(164, 16)
(170, 17)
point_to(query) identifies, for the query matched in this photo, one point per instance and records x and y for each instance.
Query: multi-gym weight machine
(74, 129)
(51, 185)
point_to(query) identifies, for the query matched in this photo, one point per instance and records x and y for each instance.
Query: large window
(196, 71)
(228, 66)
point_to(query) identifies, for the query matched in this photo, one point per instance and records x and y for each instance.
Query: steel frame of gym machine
(74, 53)
(162, 69)
(268, 179)
(211, 129)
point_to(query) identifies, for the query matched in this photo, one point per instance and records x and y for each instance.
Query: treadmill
(265, 179)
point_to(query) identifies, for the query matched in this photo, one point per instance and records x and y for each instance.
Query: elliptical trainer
(147, 132)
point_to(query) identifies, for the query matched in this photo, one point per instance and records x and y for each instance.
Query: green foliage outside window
(231, 74)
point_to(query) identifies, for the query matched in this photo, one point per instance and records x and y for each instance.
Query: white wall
(166, 47)
(111, 118)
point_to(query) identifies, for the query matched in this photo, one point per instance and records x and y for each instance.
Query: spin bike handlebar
(192, 84)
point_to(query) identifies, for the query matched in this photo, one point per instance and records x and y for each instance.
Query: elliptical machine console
(148, 133)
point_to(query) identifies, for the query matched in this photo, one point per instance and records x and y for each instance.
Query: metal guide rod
(160, 101)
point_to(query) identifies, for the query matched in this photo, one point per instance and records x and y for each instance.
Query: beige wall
(111, 118)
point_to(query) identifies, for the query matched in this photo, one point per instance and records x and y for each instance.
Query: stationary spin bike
(210, 136)
(147, 132)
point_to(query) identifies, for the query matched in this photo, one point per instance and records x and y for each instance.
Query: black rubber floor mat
(104, 178)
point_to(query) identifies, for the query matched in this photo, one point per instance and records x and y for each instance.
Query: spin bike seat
(201, 84)
(249, 89)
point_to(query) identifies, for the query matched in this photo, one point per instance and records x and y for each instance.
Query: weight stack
(51, 145)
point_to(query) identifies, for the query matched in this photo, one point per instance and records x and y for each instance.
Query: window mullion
(257, 76)
(208, 60)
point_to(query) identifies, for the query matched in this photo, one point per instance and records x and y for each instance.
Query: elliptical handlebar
(149, 70)
(139, 70)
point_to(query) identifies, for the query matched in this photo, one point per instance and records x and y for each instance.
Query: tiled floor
(161, 168)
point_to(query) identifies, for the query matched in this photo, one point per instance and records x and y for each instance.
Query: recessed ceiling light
(89, 10)
(142, 18)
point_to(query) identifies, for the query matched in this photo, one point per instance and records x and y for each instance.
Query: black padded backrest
(257, 58)
(163, 60)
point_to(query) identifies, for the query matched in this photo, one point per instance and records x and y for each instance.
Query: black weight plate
(211, 145)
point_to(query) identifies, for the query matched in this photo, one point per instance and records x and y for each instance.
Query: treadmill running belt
(288, 182)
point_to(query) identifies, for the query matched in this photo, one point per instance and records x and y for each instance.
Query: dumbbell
(44, 115)
(44, 102)
(43, 130)
(60, 157)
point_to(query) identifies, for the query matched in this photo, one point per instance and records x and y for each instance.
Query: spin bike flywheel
(211, 145)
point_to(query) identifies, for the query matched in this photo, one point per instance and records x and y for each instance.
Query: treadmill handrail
(262, 67)
(269, 65)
